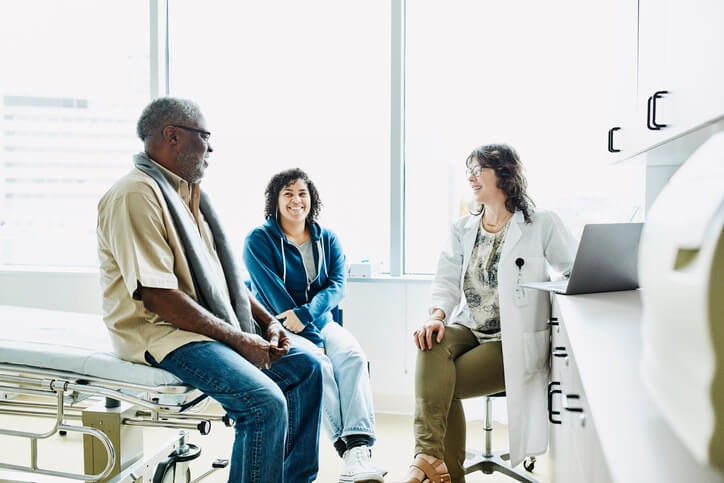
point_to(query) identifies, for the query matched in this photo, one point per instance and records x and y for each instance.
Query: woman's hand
(291, 321)
(423, 336)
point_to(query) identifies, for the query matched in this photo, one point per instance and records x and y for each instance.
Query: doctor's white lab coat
(523, 313)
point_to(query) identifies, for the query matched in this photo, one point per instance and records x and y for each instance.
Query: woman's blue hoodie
(279, 279)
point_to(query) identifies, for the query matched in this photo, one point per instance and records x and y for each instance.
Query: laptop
(606, 261)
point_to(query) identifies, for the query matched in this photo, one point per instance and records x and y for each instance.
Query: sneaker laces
(358, 453)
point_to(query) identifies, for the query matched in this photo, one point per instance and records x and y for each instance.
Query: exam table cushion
(71, 342)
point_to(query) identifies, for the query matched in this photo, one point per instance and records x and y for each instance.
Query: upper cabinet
(680, 73)
(694, 63)
(619, 56)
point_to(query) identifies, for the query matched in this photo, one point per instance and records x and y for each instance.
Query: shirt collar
(180, 185)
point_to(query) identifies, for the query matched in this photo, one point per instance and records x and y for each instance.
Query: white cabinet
(694, 71)
(666, 74)
(680, 68)
(576, 452)
(620, 57)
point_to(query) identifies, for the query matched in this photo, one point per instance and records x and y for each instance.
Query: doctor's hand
(423, 336)
(278, 341)
(291, 321)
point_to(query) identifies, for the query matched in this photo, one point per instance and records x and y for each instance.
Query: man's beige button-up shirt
(138, 244)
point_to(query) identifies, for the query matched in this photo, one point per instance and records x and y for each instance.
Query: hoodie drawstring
(322, 263)
(284, 260)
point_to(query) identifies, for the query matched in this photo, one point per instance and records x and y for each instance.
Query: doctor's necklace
(495, 226)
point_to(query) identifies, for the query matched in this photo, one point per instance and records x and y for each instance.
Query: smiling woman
(297, 272)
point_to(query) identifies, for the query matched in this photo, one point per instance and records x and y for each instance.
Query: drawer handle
(551, 392)
(567, 403)
(559, 351)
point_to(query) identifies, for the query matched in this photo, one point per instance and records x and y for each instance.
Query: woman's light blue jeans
(276, 410)
(347, 401)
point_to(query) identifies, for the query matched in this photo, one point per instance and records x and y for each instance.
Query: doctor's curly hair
(509, 171)
(283, 179)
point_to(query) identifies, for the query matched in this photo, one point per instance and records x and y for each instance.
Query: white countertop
(604, 332)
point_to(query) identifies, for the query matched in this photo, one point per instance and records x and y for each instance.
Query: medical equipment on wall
(62, 366)
(681, 272)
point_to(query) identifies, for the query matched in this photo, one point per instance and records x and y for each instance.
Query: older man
(172, 298)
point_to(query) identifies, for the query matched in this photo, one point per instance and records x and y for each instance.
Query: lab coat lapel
(471, 232)
(514, 232)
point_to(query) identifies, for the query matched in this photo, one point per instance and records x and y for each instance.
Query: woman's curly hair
(281, 180)
(511, 179)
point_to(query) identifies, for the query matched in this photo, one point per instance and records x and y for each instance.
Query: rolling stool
(489, 461)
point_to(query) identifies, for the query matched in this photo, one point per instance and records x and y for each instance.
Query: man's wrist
(268, 322)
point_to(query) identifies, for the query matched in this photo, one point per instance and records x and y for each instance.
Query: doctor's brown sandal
(431, 473)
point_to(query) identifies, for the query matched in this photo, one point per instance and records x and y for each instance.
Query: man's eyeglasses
(205, 135)
(476, 171)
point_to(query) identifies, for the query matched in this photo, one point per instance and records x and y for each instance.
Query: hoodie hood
(273, 225)
(316, 238)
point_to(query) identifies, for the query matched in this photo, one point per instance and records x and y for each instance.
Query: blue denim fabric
(277, 410)
(347, 402)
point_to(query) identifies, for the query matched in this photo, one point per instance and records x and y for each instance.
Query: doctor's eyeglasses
(475, 170)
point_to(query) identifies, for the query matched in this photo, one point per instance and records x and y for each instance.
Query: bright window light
(530, 74)
(292, 84)
(75, 76)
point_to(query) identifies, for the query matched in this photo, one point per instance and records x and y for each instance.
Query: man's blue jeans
(277, 410)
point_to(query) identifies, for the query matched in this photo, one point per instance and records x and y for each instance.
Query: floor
(393, 450)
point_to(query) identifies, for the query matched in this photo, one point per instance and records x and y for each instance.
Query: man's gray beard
(192, 172)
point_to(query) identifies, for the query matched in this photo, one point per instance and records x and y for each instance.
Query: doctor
(485, 333)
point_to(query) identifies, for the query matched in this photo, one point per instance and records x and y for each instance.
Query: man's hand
(278, 341)
(291, 321)
(254, 349)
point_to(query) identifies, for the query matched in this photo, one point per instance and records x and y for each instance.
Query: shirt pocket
(536, 349)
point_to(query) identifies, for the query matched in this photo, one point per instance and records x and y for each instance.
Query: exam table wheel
(529, 464)
(166, 469)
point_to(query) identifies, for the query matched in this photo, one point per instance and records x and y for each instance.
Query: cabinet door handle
(553, 321)
(567, 403)
(657, 95)
(610, 140)
(648, 114)
(551, 392)
(559, 351)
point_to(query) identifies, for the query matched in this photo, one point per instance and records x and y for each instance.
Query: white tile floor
(393, 450)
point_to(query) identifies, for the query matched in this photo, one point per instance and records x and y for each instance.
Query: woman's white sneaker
(358, 467)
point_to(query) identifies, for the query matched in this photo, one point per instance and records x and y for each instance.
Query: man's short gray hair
(164, 111)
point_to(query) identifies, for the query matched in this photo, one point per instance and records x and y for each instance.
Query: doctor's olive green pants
(457, 368)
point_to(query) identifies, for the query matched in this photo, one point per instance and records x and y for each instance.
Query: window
(483, 72)
(292, 84)
(75, 77)
(304, 84)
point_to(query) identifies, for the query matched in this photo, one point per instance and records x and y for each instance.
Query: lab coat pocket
(536, 348)
(531, 269)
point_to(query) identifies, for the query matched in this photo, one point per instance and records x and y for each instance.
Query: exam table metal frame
(110, 412)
